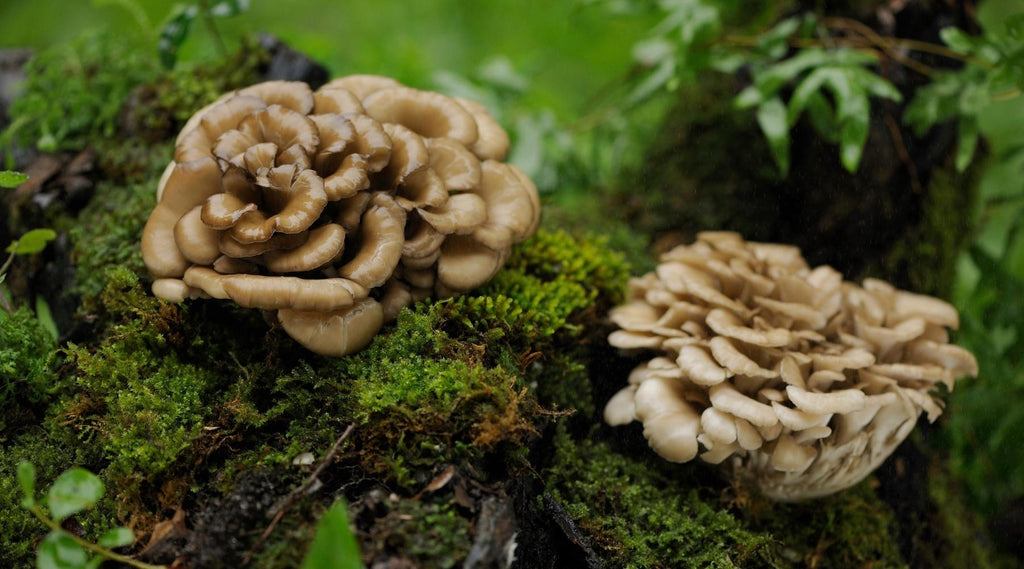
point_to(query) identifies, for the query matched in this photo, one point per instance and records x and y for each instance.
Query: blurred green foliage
(75, 92)
(986, 413)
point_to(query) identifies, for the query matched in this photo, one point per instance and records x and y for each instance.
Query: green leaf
(229, 8)
(771, 116)
(32, 242)
(9, 179)
(958, 40)
(967, 141)
(651, 52)
(748, 98)
(334, 546)
(874, 84)
(1015, 27)
(823, 117)
(45, 317)
(773, 43)
(27, 479)
(852, 136)
(499, 72)
(772, 79)
(116, 537)
(73, 491)
(938, 100)
(807, 88)
(173, 34)
(657, 80)
(59, 551)
(725, 61)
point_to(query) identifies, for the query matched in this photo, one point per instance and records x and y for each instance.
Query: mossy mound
(472, 417)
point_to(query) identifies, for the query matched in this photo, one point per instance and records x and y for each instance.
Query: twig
(885, 44)
(904, 154)
(10, 259)
(297, 493)
(5, 304)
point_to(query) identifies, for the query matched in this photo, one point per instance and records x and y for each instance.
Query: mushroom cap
(466, 263)
(621, 408)
(312, 203)
(805, 381)
(492, 141)
(670, 424)
(511, 206)
(335, 333)
(382, 234)
(429, 114)
(323, 245)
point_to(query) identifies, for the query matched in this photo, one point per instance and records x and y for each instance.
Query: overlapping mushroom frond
(804, 381)
(336, 207)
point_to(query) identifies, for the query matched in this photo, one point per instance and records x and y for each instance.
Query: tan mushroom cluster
(337, 207)
(797, 379)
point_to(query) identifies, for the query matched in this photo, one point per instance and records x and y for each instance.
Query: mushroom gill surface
(790, 376)
(335, 207)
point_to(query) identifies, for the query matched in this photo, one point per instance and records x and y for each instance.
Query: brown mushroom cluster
(335, 208)
(796, 379)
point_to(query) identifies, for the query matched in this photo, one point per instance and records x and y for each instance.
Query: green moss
(428, 533)
(136, 398)
(925, 258)
(74, 92)
(107, 234)
(425, 398)
(948, 534)
(162, 106)
(26, 375)
(853, 528)
(641, 514)
(551, 284)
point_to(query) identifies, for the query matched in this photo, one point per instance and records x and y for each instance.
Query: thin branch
(297, 493)
(10, 259)
(904, 154)
(885, 44)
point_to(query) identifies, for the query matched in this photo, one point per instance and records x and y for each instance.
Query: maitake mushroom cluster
(338, 207)
(804, 381)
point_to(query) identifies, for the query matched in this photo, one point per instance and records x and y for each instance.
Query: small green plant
(174, 33)
(74, 92)
(841, 73)
(993, 71)
(334, 546)
(31, 242)
(75, 490)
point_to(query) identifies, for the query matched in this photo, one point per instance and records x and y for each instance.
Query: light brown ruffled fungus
(792, 377)
(335, 208)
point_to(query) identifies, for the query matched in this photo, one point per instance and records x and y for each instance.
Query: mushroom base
(838, 465)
